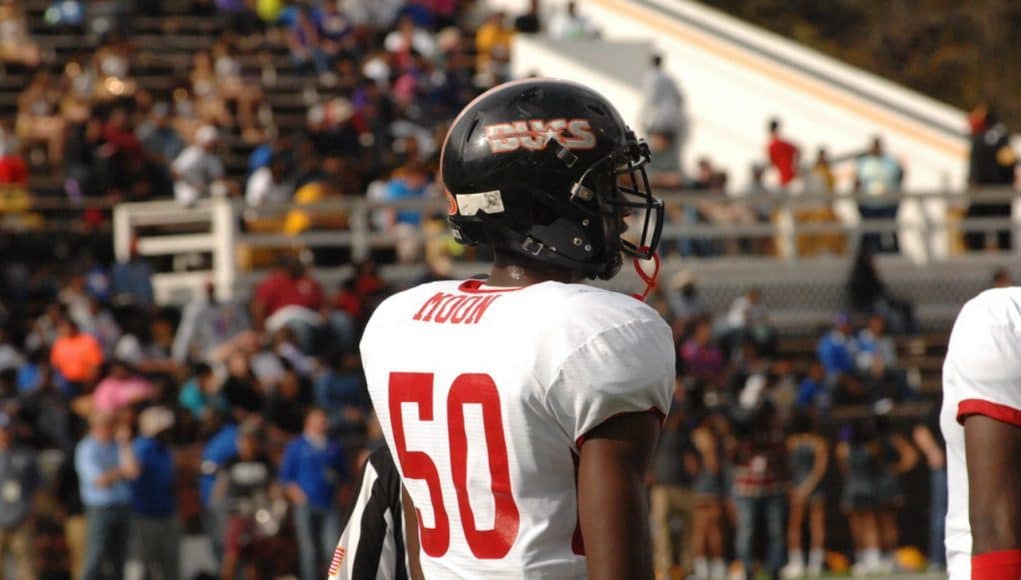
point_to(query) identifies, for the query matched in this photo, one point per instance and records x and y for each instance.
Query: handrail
(212, 225)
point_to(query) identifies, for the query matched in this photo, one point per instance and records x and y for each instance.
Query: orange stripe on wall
(794, 80)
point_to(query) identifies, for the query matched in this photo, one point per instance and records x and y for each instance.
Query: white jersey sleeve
(625, 369)
(981, 376)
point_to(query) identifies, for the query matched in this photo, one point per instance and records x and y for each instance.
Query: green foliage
(959, 52)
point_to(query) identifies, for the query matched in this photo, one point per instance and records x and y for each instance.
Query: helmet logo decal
(488, 202)
(535, 135)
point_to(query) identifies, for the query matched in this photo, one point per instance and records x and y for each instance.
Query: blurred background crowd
(136, 431)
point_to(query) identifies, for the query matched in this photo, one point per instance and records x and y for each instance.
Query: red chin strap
(650, 281)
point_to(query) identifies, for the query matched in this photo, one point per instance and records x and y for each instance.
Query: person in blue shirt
(105, 466)
(838, 348)
(312, 471)
(154, 527)
(220, 449)
(201, 395)
(813, 392)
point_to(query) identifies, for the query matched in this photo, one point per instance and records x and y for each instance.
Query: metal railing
(928, 225)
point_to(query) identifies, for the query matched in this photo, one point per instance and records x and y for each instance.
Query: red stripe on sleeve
(969, 407)
(1004, 565)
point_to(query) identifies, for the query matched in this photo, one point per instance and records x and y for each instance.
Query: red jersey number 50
(468, 388)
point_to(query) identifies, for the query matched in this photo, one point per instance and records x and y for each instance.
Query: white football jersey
(981, 376)
(484, 394)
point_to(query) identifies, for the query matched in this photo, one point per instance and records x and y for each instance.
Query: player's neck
(513, 271)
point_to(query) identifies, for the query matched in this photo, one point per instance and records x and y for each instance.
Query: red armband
(1005, 565)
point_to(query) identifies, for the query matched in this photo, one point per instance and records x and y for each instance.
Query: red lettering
(476, 314)
(432, 304)
(448, 307)
(458, 315)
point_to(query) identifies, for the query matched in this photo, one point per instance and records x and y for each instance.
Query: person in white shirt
(981, 422)
(572, 25)
(197, 169)
(270, 185)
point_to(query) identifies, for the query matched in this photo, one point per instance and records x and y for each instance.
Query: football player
(981, 421)
(522, 410)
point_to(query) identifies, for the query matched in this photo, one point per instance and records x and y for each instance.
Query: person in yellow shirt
(493, 43)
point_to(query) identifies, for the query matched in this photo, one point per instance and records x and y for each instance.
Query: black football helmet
(548, 169)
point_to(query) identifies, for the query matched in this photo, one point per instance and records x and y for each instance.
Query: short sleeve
(982, 371)
(628, 368)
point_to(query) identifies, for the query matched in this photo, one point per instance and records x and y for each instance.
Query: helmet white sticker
(488, 202)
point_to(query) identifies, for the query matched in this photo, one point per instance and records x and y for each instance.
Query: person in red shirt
(783, 155)
(290, 297)
(75, 355)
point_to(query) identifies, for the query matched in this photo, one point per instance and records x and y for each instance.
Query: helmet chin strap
(649, 280)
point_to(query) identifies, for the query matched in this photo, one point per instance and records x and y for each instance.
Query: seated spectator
(271, 185)
(814, 392)
(202, 394)
(884, 383)
(131, 280)
(874, 343)
(340, 389)
(162, 144)
(112, 65)
(336, 31)
(16, 45)
(13, 169)
(234, 91)
(209, 104)
(10, 357)
(122, 150)
(285, 407)
(410, 182)
(206, 323)
(76, 356)
(155, 532)
(39, 117)
(748, 319)
(122, 388)
(303, 42)
(408, 39)
(701, 358)
(685, 305)
(198, 170)
(569, 24)
(45, 408)
(838, 348)
(291, 297)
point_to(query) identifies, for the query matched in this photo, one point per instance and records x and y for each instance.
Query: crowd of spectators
(244, 420)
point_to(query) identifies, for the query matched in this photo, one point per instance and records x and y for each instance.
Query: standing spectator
(748, 320)
(202, 395)
(820, 181)
(711, 442)
(813, 391)
(662, 109)
(896, 457)
(19, 482)
(701, 357)
(929, 438)
(69, 507)
(530, 22)
(879, 175)
(197, 169)
(154, 528)
(313, 470)
(838, 348)
(867, 293)
(131, 280)
(105, 466)
(568, 24)
(410, 182)
(672, 493)
(859, 461)
(992, 163)
(492, 44)
(783, 155)
(808, 455)
(76, 356)
(760, 476)
(686, 306)
(245, 485)
(221, 448)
